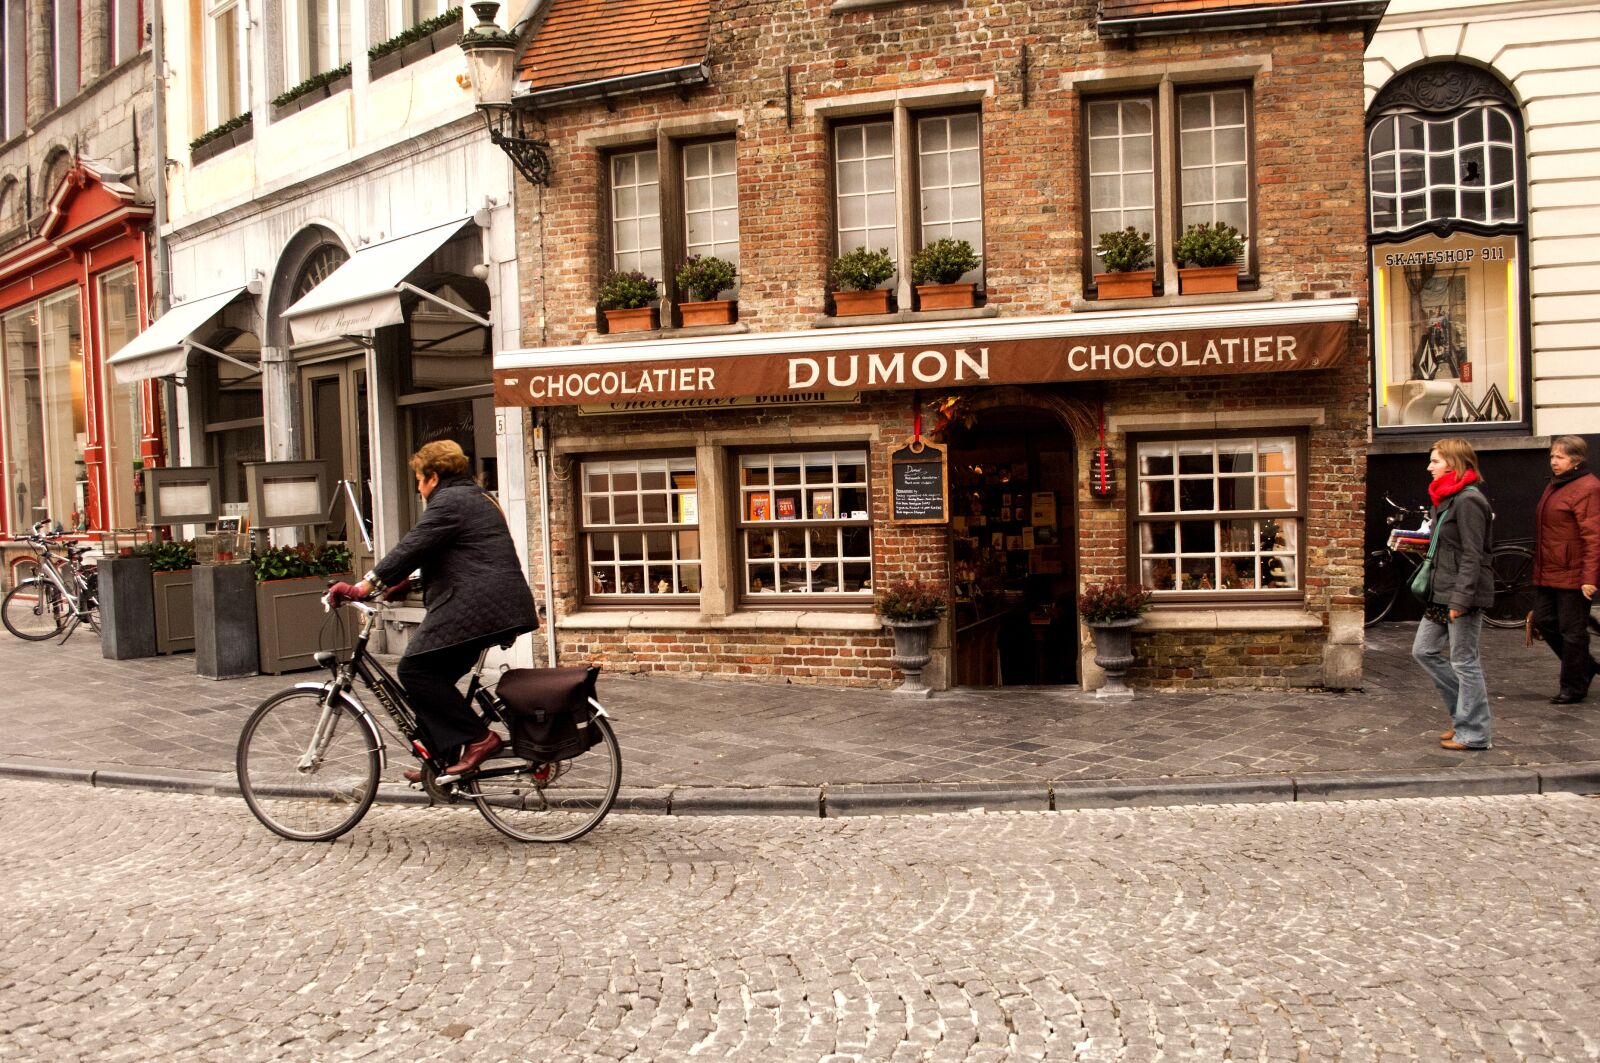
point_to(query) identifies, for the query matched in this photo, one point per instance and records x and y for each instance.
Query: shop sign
(1191, 352)
(921, 484)
(724, 402)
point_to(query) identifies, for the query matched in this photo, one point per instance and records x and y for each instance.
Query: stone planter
(714, 312)
(912, 639)
(1208, 280)
(127, 605)
(1113, 652)
(1138, 284)
(855, 304)
(174, 607)
(641, 319)
(290, 623)
(946, 296)
(226, 644)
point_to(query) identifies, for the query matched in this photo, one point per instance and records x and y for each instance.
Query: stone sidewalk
(692, 745)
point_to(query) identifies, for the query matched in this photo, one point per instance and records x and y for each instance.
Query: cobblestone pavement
(68, 703)
(144, 926)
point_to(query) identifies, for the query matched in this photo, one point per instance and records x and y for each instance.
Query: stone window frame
(1163, 84)
(675, 494)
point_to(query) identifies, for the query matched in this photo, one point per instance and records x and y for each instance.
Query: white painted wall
(1548, 51)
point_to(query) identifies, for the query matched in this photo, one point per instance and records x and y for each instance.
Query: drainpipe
(163, 268)
(541, 450)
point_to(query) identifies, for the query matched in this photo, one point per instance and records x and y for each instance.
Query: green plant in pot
(1127, 255)
(300, 562)
(937, 269)
(1112, 610)
(704, 278)
(855, 277)
(911, 609)
(171, 556)
(1207, 257)
(625, 297)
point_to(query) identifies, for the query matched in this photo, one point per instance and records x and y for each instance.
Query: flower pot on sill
(945, 296)
(1137, 284)
(640, 319)
(854, 304)
(1208, 280)
(712, 312)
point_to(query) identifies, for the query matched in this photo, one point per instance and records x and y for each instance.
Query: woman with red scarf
(1462, 586)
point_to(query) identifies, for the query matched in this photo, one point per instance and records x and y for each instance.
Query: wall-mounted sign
(919, 479)
(725, 402)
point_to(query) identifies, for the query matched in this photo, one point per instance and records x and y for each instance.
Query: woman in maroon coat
(1566, 564)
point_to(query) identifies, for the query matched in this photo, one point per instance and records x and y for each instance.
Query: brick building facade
(781, 135)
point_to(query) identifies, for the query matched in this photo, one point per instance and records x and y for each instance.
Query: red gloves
(340, 593)
(398, 591)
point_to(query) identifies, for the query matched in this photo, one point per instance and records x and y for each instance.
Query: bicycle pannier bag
(548, 711)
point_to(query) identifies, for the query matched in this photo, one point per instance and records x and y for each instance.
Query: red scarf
(1450, 484)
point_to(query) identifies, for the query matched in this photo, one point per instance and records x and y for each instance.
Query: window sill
(734, 329)
(1288, 617)
(904, 317)
(1261, 295)
(761, 620)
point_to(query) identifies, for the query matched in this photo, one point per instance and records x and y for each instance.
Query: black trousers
(430, 681)
(1562, 619)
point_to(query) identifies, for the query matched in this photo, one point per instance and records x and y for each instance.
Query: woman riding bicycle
(474, 592)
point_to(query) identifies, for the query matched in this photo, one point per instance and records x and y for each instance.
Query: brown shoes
(413, 775)
(1451, 743)
(476, 753)
(1445, 736)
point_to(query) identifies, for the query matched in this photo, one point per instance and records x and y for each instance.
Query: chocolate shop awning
(364, 293)
(163, 348)
(1211, 340)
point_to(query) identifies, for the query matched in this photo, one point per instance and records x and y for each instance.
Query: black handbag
(548, 712)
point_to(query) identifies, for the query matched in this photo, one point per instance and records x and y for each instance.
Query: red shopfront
(72, 439)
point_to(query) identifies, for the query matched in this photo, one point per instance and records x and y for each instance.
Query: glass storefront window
(1447, 333)
(804, 523)
(233, 412)
(640, 523)
(119, 324)
(46, 419)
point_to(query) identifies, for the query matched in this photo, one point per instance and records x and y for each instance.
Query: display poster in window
(919, 476)
(688, 508)
(760, 506)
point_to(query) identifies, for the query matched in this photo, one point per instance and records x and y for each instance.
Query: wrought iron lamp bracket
(529, 154)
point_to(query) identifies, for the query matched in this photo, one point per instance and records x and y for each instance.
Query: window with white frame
(804, 525)
(317, 37)
(1211, 160)
(65, 41)
(640, 526)
(636, 213)
(14, 76)
(710, 200)
(403, 14)
(1461, 166)
(950, 178)
(1218, 516)
(864, 186)
(125, 34)
(224, 73)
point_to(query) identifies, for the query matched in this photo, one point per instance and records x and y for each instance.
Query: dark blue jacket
(1462, 576)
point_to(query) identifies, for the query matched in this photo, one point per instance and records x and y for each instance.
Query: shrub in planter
(172, 592)
(173, 556)
(1206, 256)
(212, 135)
(625, 298)
(421, 31)
(704, 277)
(300, 562)
(937, 270)
(290, 623)
(911, 608)
(1127, 255)
(1112, 610)
(311, 85)
(855, 276)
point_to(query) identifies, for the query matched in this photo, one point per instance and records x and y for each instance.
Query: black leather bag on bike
(548, 711)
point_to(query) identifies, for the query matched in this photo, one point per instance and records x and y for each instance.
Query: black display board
(919, 479)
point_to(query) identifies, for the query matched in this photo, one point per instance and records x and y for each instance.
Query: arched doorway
(1013, 539)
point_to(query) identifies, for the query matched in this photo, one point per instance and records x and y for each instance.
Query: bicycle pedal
(446, 780)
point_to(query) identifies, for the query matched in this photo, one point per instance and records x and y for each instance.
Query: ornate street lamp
(491, 57)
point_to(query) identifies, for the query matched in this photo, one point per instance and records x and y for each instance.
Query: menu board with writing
(919, 480)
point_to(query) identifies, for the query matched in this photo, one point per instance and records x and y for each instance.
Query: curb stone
(1445, 782)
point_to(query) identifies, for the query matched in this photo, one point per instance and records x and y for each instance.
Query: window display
(638, 522)
(823, 542)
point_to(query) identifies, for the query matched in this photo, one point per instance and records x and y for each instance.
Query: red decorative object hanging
(1102, 478)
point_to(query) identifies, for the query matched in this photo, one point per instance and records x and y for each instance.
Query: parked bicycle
(310, 757)
(1389, 571)
(61, 593)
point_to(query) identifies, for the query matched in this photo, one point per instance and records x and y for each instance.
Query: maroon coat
(1567, 551)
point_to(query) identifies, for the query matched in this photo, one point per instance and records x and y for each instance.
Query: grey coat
(1462, 576)
(472, 582)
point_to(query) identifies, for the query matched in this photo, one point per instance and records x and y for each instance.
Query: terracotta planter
(853, 304)
(1113, 651)
(714, 312)
(290, 623)
(643, 319)
(1138, 284)
(1208, 280)
(912, 639)
(945, 296)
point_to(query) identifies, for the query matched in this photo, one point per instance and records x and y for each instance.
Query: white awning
(364, 293)
(163, 348)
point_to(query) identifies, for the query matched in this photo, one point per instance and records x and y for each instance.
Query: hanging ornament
(1102, 479)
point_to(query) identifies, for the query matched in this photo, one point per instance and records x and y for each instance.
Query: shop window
(317, 37)
(224, 73)
(125, 31)
(1219, 517)
(1447, 226)
(640, 525)
(46, 425)
(119, 324)
(1211, 160)
(803, 523)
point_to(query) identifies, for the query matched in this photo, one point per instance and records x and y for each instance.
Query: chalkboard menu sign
(919, 478)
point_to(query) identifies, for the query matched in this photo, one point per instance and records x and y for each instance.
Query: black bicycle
(59, 593)
(1389, 571)
(309, 757)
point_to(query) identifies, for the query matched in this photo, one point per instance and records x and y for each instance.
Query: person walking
(1566, 564)
(1462, 585)
(474, 592)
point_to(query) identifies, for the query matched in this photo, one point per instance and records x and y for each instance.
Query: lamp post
(491, 57)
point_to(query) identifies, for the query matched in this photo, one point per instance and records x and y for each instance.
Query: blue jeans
(1449, 653)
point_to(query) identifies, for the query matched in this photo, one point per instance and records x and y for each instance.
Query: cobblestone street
(160, 926)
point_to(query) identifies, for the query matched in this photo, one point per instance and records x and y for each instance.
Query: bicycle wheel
(34, 610)
(1382, 585)
(1513, 586)
(552, 802)
(308, 771)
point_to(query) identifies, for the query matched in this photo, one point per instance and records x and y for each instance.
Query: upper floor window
(1453, 167)
(864, 187)
(950, 180)
(65, 40)
(403, 14)
(710, 201)
(317, 33)
(636, 213)
(14, 75)
(224, 72)
(125, 34)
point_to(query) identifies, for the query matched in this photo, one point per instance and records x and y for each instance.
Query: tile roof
(1111, 10)
(587, 40)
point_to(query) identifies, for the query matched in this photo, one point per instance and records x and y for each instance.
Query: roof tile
(587, 40)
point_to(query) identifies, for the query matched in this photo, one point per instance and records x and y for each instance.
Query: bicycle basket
(548, 712)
